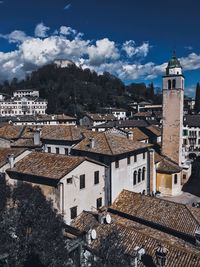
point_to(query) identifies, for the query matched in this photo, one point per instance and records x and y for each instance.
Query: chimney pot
(11, 160)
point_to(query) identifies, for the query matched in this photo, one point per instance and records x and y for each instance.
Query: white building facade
(23, 103)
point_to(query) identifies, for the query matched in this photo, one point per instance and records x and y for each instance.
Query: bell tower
(173, 96)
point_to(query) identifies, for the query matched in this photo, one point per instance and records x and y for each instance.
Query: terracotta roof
(61, 132)
(123, 124)
(11, 132)
(143, 114)
(157, 157)
(158, 211)
(52, 166)
(131, 235)
(101, 117)
(5, 152)
(47, 165)
(168, 166)
(109, 144)
(138, 135)
(155, 130)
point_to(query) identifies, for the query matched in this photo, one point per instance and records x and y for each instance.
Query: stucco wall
(84, 199)
(122, 177)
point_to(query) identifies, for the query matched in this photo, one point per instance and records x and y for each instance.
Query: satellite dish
(93, 234)
(108, 218)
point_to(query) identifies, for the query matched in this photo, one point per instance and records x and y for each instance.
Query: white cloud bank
(66, 43)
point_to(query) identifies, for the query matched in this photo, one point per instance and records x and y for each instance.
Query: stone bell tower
(173, 96)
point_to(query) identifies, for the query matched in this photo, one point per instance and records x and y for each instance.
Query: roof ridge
(108, 144)
(187, 207)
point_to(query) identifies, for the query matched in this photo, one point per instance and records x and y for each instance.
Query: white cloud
(15, 36)
(102, 51)
(191, 62)
(67, 30)
(41, 30)
(102, 55)
(67, 6)
(132, 50)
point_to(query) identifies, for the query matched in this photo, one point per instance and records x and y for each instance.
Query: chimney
(161, 256)
(197, 237)
(130, 135)
(92, 142)
(11, 160)
(36, 137)
(138, 253)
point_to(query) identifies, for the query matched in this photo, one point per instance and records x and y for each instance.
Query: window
(128, 160)
(134, 177)
(175, 179)
(99, 202)
(96, 177)
(82, 181)
(143, 173)
(139, 176)
(144, 155)
(169, 84)
(174, 83)
(66, 151)
(49, 149)
(57, 150)
(69, 180)
(185, 132)
(73, 212)
(116, 163)
(135, 158)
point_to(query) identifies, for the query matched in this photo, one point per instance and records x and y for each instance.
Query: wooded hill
(72, 90)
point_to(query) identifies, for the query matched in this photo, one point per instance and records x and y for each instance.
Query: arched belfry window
(143, 173)
(139, 176)
(174, 83)
(169, 84)
(134, 177)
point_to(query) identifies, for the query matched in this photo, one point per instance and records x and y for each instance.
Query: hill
(74, 90)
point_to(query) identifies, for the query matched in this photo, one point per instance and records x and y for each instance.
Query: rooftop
(10, 132)
(109, 144)
(62, 132)
(101, 117)
(131, 234)
(47, 165)
(123, 124)
(167, 214)
(166, 165)
(6, 152)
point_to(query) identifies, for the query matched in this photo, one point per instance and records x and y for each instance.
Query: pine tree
(197, 99)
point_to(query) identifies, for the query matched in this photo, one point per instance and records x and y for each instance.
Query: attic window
(69, 180)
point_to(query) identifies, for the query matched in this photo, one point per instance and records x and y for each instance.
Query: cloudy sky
(131, 39)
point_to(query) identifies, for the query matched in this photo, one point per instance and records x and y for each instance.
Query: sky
(132, 39)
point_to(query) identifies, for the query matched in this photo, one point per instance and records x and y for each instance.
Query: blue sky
(131, 39)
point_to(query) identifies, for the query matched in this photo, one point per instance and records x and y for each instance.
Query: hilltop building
(23, 102)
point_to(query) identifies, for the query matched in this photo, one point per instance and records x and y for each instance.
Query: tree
(4, 193)
(31, 230)
(151, 91)
(110, 252)
(197, 98)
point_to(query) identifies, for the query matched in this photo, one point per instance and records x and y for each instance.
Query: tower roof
(174, 62)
